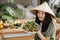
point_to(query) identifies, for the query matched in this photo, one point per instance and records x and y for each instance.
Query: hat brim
(34, 12)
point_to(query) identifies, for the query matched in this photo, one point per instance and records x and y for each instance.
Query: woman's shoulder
(53, 23)
(51, 27)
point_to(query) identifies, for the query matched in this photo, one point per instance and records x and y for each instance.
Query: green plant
(41, 1)
(58, 13)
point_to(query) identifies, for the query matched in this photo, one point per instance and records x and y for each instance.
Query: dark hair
(46, 22)
(58, 10)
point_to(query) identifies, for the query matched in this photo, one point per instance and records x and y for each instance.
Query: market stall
(15, 33)
(13, 15)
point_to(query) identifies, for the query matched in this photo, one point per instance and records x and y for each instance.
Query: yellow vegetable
(1, 24)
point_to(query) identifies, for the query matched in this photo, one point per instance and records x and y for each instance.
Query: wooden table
(15, 31)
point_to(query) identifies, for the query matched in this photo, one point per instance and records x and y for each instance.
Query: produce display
(12, 25)
(12, 12)
(31, 26)
(9, 25)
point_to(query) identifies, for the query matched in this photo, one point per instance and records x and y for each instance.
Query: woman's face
(41, 15)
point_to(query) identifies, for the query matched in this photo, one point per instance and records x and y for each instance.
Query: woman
(45, 18)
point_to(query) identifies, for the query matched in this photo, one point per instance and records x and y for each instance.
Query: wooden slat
(11, 31)
(22, 38)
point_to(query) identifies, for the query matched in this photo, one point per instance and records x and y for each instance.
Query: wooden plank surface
(11, 31)
(22, 38)
(15, 31)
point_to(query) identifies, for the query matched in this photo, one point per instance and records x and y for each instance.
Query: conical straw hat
(43, 7)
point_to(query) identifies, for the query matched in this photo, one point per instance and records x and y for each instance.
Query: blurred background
(25, 5)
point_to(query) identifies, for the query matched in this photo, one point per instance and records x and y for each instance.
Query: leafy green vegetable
(7, 17)
(13, 12)
(31, 26)
(58, 14)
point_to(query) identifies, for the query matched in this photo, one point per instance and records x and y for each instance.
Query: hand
(39, 32)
